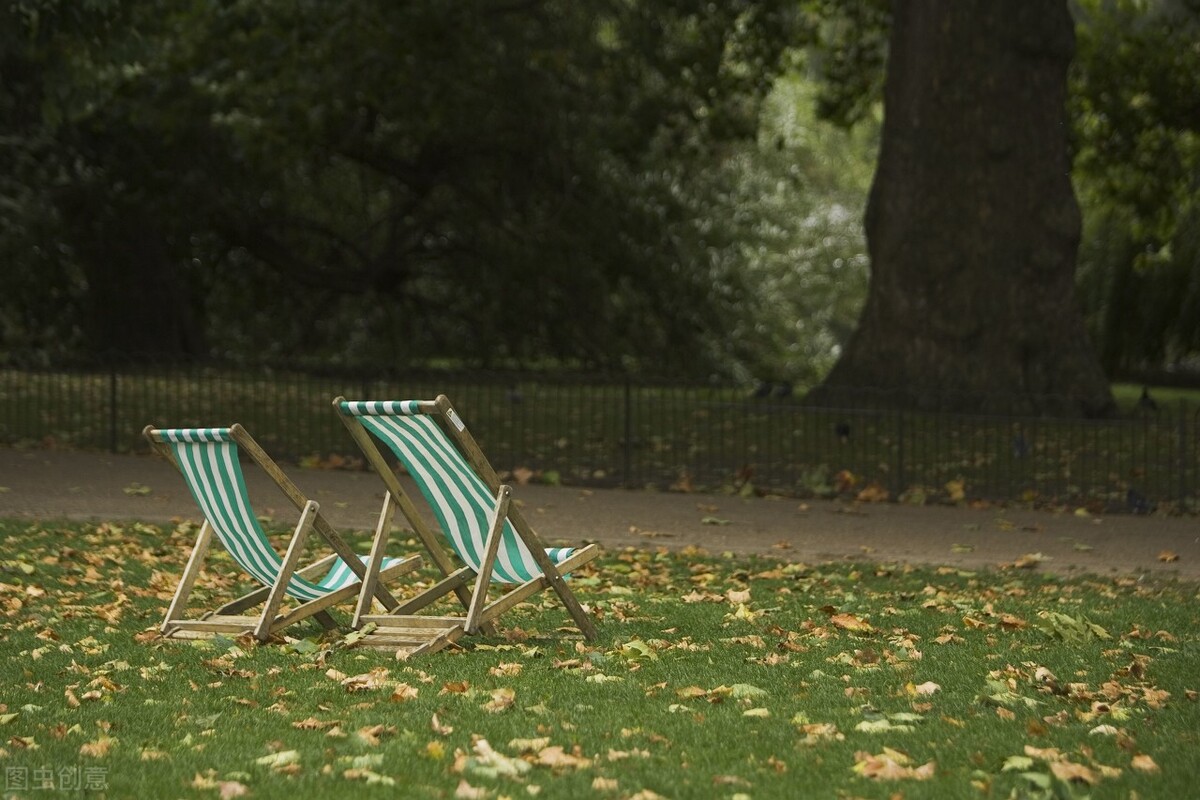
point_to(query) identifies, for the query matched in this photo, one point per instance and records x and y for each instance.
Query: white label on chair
(454, 420)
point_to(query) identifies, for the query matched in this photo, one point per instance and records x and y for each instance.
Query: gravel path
(48, 485)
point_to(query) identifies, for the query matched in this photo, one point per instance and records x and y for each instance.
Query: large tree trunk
(972, 224)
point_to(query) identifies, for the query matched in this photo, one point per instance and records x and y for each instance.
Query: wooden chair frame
(469, 587)
(228, 618)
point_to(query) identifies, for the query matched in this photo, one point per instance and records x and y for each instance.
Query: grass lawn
(714, 676)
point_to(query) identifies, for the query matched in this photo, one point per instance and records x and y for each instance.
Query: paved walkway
(49, 485)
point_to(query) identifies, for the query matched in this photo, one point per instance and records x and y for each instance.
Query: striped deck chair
(474, 511)
(208, 460)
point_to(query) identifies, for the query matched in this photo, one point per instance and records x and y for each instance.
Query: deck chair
(476, 516)
(208, 460)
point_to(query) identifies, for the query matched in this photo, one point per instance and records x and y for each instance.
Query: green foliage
(506, 182)
(1137, 169)
(802, 191)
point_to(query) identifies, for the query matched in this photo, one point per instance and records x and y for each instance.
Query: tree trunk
(972, 224)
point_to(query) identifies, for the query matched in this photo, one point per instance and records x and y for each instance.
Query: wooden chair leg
(484, 579)
(188, 580)
(552, 575)
(263, 631)
(374, 562)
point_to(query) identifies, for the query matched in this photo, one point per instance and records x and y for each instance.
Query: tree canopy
(490, 180)
(665, 185)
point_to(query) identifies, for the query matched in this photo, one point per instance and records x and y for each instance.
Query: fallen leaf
(891, 765)
(1069, 771)
(403, 693)
(283, 758)
(314, 724)
(851, 623)
(231, 789)
(502, 699)
(1144, 763)
(98, 748)
(466, 791)
(1168, 556)
(506, 669)
(556, 758)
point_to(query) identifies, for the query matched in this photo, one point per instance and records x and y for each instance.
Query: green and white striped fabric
(208, 459)
(460, 499)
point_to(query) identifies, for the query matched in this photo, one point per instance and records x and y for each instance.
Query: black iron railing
(634, 432)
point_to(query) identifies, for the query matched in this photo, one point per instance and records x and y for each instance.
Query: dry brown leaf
(314, 724)
(403, 693)
(98, 748)
(556, 758)
(1069, 771)
(371, 734)
(508, 669)
(1168, 556)
(231, 789)
(738, 596)
(375, 679)
(851, 623)
(1144, 763)
(891, 765)
(502, 699)
(466, 791)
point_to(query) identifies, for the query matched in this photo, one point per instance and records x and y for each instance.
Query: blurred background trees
(668, 186)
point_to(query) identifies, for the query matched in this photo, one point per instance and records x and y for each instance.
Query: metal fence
(606, 431)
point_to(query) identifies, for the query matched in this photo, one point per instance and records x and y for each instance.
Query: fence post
(1181, 430)
(112, 408)
(627, 467)
(901, 478)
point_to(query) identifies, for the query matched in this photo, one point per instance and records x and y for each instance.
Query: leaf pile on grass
(713, 677)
